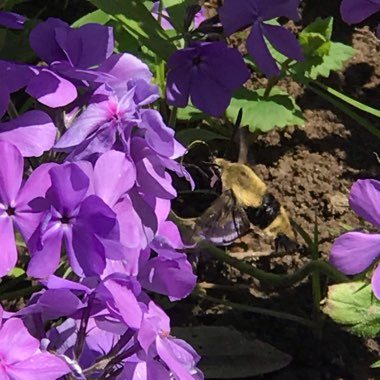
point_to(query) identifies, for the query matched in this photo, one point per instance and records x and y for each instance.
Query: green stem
(254, 309)
(272, 278)
(173, 117)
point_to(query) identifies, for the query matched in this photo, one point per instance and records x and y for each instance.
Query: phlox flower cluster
(103, 203)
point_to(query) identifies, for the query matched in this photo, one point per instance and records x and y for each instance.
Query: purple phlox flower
(21, 357)
(238, 14)
(33, 133)
(355, 11)
(12, 20)
(165, 19)
(168, 273)
(72, 54)
(355, 251)
(16, 202)
(84, 221)
(154, 337)
(102, 125)
(196, 73)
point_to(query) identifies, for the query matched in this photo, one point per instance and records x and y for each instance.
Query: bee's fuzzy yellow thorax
(247, 187)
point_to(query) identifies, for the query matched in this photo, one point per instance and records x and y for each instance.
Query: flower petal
(51, 89)
(283, 40)
(16, 344)
(259, 51)
(375, 282)
(33, 133)
(12, 20)
(237, 14)
(11, 171)
(365, 200)
(8, 246)
(355, 11)
(41, 366)
(114, 175)
(353, 252)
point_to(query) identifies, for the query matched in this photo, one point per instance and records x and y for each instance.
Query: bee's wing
(224, 221)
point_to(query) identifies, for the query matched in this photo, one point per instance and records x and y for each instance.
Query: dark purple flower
(355, 11)
(15, 198)
(84, 221)
(12, 20)
(353, 252)
(238, 14)
(21, 357)
(196, 72)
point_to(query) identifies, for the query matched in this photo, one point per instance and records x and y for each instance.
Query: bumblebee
(245, 199)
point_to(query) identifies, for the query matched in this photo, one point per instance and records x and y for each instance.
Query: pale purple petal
(283, 40)
(355, 11)
(91, 119)
(33, 133)
(43, 42)
(126, 302)
(40, 366)
(16, 344)
(51, 89)
(114, 175)
(176, 358)
(258, 49)
(121, 68)
(353, 252)
(8, 245)
(12, 20)
(11, 172)
(365, 200)
(375, 282)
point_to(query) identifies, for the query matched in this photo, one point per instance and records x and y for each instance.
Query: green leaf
(98, 17)
(354, 305)
(265, 113)
(140, 23)
(190, 113)
(177, 12)
(315, 66)
(323, 27)
(16, 272)
(376, 364)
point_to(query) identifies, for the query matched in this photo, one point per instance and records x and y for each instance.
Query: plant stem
(254, 309)
(272, 278)
(173, 117)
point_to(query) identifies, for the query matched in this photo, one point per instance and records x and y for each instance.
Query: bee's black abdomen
(264, 215)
